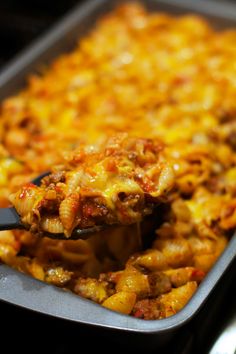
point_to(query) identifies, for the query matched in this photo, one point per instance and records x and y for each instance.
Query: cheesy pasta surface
(155, 85)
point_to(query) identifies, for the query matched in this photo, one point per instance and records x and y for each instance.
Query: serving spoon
(10, 219)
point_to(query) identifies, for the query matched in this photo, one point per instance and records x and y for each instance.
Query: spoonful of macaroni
(118, 183)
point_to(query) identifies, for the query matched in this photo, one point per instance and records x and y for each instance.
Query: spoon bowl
(10, 220)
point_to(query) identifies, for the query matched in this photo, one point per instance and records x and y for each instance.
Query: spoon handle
(9, 219)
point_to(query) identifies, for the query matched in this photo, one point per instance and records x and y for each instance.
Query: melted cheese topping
(171, 79)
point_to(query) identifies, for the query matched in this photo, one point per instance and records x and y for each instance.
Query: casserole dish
(41, 297)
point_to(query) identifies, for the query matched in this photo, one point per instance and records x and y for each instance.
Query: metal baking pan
(29, 293)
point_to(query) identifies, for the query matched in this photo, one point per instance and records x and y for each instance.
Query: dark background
(21, 21)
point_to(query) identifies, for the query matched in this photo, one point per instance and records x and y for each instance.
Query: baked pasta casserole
(137, 128)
